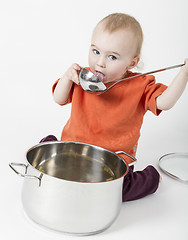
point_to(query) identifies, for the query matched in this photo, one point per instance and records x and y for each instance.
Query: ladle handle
(143, 74)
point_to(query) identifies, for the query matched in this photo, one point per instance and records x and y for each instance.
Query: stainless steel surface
(175, 165)
(81, 186)
(13, 165)
(77, 162)
(90, 83)
(134, 159)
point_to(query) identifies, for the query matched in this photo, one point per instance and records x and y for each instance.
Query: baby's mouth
(100, 76)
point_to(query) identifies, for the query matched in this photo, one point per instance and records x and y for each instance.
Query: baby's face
(112, 54)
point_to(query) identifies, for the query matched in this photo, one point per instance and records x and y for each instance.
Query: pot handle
(132, 163)
(11, 165)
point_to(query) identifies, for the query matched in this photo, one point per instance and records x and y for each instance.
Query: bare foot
(160, 179)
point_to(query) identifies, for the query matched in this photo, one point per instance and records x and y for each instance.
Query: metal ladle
(92, 84)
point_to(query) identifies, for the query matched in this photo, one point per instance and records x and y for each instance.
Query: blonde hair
(117, 21)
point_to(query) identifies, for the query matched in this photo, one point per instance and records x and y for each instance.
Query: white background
(39, 40)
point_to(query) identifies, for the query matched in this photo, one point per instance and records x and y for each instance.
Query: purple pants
(136, 184)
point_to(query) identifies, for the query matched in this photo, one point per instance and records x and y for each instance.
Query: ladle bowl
(92, 84)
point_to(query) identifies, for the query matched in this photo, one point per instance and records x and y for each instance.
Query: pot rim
(81, 143)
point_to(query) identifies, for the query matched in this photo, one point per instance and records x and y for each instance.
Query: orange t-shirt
(113, 119)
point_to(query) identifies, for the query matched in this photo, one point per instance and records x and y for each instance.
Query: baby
(113, 119)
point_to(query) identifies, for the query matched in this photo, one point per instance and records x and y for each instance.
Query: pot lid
(175, 165)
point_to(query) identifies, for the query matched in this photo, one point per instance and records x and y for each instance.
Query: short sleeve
(152, 91)
(70, 95)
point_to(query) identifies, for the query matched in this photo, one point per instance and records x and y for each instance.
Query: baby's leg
(49, 138)
(140, 183)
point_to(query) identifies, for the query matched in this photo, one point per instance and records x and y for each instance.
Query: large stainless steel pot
(72, 187)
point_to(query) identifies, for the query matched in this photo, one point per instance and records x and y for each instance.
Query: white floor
(163, 215)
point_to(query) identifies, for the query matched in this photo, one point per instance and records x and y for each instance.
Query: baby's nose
(101, 62)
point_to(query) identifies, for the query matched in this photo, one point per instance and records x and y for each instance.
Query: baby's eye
(95, 51)
(112, 57)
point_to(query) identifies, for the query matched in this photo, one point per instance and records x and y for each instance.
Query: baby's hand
(185, 68)
(73, 73)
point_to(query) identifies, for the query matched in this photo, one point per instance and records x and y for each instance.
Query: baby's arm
(171, 95)
(63, 87)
